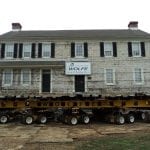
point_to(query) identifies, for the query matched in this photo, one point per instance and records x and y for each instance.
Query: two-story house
(70, 62)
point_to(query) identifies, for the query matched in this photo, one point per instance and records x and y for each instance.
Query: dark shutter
(33, 50)
(72, 49)
(15, 50)
(52, 50)
(114, 49)
(85, 49)
(129, 49)
(2, 50)
(102, 49)
(143, 49)
(40, 50)
(20, 50)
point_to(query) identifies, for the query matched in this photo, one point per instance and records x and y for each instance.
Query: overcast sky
(74, 14)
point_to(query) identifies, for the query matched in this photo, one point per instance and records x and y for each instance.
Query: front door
(79, 83)
(46, 81)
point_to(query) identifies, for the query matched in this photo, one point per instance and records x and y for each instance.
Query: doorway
(46, 81)
(79, 83)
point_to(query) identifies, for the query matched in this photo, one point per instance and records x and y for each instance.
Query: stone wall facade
(63, 85)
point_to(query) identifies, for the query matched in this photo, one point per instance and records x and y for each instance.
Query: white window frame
(139, 47)
(22, 74)
(82, 50)
(9, 48)
(113, 78)
(46, 50)
(11, 77)
(106, 50)
(26, 48)
(142, 76)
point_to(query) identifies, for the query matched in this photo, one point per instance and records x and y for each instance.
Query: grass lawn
(132, 141)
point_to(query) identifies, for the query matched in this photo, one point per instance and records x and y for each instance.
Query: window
(109, 76)
(9, 51)
(7, 77)
(46, 50)
(79, 50)
(138, 75)
(27, 50)
(26, 77)
(136, 49)
(108, 49)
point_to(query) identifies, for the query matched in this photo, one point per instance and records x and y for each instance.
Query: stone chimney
(133, 25)
(16, 27)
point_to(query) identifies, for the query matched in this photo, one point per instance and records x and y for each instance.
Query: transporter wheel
(4, 119)
(146, 117)
(143, 115)
(120, 119)
(130, 118)
(85, 119)
(42, 119)
(73, 120)
(28, 119)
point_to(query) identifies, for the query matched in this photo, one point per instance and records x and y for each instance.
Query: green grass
(117, 142)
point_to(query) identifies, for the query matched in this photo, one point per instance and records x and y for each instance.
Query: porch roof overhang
(31, 64)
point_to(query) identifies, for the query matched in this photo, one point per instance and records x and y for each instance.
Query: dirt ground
(58, 136)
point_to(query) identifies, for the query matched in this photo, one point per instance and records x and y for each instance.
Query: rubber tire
(26, 119)
(2, 117)
(130, 118)
(147, 117)
(72, 120)
(42, 119)
(120, 119)
(143, 115)
(85, 119)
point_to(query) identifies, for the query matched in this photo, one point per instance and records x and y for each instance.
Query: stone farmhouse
(75, 62)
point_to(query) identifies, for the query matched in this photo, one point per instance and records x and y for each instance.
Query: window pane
(27, 50)
(136, 49)
(9, 51)
(138, 75)
(46, 50)
(26, 76)
(26, 54)
(7, 77)
(108, 49)
(109, 76)
(108, 53)
(79, 48)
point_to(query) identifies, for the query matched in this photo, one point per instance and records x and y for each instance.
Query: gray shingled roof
(31, 64)
(75, 34)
